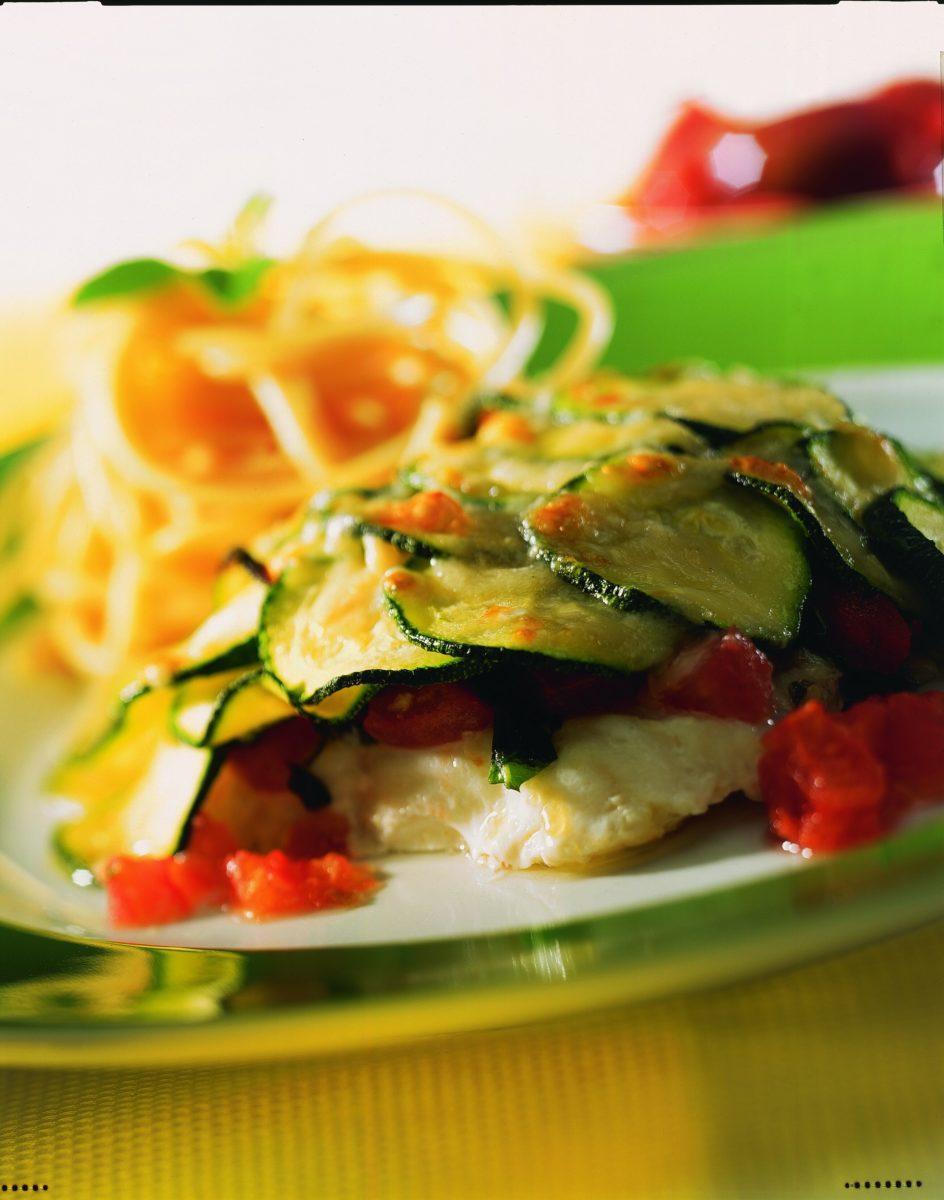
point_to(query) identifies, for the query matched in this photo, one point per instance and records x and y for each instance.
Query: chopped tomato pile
(834, 780)
(425, 716)
(710, 166)
(213, 873)
(266, 762)
(723, 675)
(865, 630)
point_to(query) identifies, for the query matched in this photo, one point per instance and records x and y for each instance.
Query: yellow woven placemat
(791, 1087)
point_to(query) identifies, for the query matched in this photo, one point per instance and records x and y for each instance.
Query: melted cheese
(618, 781)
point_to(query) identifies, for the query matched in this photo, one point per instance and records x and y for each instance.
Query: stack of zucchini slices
(594, 530)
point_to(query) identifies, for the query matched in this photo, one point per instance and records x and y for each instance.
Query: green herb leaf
(12, 460)
(127, 278)
(235, 286)
(229, 287)
(18, 612)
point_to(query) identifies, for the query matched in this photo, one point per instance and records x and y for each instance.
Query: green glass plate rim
(58, 988)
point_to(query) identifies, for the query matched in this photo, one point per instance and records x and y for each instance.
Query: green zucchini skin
(228, 639)
(164, 824)
(522, 730)
(838, 545)
(308, 682)
(708, 518)
(492, 534)
(525, 614)
(87, 751)
(907, 531)
(222, 723)
(244, 654)
(718, 406)
(859, 465)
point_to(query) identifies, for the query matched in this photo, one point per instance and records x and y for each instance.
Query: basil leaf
(12, 460)
(126, 278)
(22, 608)
(233, 286)
(229, 287)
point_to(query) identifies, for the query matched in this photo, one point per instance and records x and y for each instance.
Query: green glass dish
(857, 286)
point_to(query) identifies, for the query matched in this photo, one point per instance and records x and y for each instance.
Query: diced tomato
(906, 731)
(568, 695)
(154, 891)
(824, 786)
(141, 891)
(200, 880)
(722, 675)
(264, 763)
(318, 833)
(710, 166)
(210, 839)
(865, 629)
(426, 512)
(425, 716)
(274, 885)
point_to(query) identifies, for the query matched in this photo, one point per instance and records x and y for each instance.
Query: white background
(123, 130)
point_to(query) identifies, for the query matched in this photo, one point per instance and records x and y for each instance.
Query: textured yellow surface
(786, 1087)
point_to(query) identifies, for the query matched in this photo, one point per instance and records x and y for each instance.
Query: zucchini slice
(457, 608)
(107, 764)
(151, 818)
(907, 530)
(859, 465)
(674, 531)
(226, 639)
(325, 627)
(718, 406)
(491, 475)
(468, 530)
(514, 472)
(773, 461)
(341, 706)
(211, 710)
(597, 439)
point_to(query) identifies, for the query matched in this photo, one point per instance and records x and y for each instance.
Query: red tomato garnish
(154, 891)
(209, 838)
(318, 833)
(425, 716)
(274, 885)
(141, 892)
(723, 675)
(264, 763)
(426, 512)
(824, 787)
(906, 731)
(709, 166)
(583, 695)
(864, 629)
(200, 880)
(832, 780)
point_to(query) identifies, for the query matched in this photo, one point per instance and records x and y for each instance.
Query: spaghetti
(200, 422)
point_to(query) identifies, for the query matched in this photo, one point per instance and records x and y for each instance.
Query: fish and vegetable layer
(596, 615)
